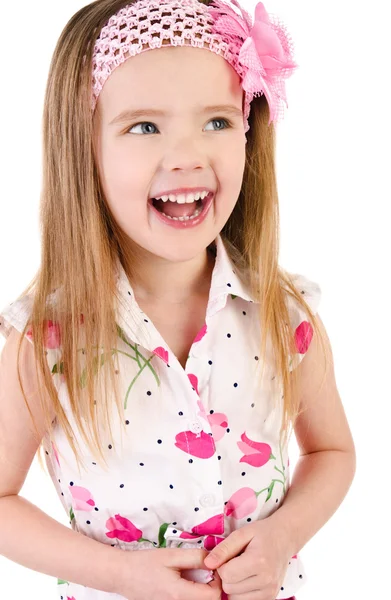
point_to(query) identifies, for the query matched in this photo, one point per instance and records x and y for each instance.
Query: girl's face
(184, 146)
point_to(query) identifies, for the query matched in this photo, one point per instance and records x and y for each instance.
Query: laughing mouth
(196, 207)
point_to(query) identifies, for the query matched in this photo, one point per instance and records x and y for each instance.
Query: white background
(333, 160)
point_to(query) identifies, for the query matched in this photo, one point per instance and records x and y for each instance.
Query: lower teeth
(196, 214)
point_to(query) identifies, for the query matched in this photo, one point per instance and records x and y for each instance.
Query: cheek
(233, 166)
(122, 182)
(121, 173)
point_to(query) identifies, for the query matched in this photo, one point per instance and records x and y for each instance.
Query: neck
(162, 281)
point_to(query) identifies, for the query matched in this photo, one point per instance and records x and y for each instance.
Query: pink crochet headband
(261, 53)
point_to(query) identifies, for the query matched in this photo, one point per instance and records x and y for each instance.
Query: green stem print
(99, 361)
(270, 488)
(147, 363)
(162, 539)
(162, 542)
(162, 531)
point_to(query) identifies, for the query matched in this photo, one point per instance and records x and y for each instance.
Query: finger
(252, 584)
(233, 545)
(186, 558)
(238, 569)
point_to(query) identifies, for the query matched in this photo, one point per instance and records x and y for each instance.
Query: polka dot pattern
(201, 454)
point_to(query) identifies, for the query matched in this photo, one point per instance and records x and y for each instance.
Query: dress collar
(224, 282)
(224, 278)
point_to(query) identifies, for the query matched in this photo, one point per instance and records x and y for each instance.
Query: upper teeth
(184, 198)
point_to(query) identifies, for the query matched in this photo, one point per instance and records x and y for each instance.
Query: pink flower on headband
(264, 49)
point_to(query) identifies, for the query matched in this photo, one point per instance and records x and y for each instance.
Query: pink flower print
(82, 498)
(196, 444)
(211, 541)
(56, 454)
(303, 336)
(122, 529)
(256, 454)
(52, 336)
(162, 353)
(200, 334)
(242, 503)
(194, 381)
(72, 598)
(185, 535)
(210, 526)
(218, 423)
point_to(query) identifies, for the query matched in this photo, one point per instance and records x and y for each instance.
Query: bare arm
(320, 482)
(327, 463)
(34, 540)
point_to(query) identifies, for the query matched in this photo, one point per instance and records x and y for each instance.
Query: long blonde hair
(81, 242)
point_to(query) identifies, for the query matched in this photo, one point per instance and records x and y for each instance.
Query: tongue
(173, 209)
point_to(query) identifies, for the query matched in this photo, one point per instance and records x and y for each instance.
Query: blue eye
(225, 121)
(140, 124)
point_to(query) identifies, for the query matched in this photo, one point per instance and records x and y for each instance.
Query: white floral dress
(202, 456)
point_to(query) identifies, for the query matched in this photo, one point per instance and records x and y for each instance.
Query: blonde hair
(81, 242)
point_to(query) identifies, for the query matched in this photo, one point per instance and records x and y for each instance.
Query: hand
(252, 561)
(156, 574)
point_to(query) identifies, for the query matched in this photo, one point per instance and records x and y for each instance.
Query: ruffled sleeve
(16, 314)
(312, 293)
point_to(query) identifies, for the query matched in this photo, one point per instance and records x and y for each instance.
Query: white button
(195, 426)
(207, 500)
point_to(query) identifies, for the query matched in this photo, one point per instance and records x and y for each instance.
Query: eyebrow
(128, 115)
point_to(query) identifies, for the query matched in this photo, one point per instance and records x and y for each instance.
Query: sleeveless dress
(202, 455)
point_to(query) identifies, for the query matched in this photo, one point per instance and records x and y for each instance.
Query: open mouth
(159, 204)
(181, 211)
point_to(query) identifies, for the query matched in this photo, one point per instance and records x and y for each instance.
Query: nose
(184, 152)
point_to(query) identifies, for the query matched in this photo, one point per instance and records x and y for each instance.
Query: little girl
(157, 356)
